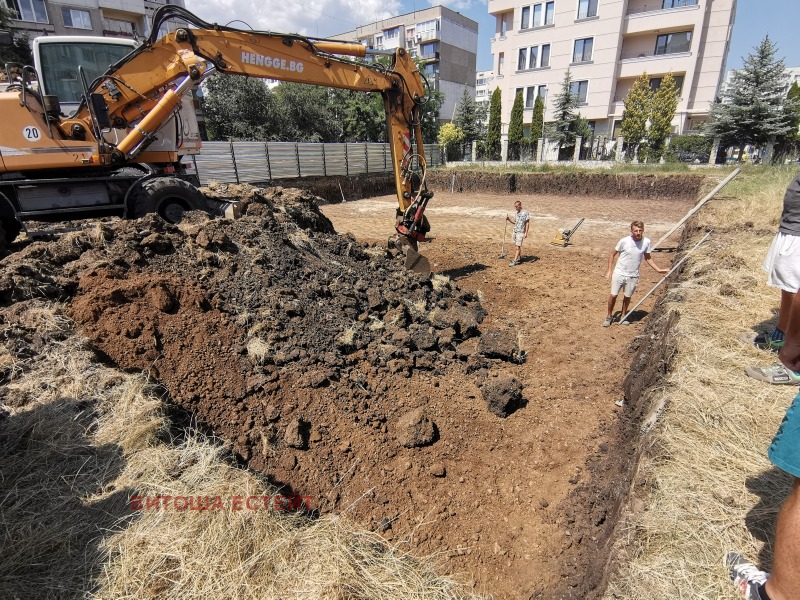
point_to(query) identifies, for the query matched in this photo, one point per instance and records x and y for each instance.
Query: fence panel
(215, 163)
(379, 158)
(251, 161)
(356, 159)
(283, 159)
(312, 159)
(335, 159)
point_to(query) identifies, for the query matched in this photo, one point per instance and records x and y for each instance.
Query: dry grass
(83, 439)
(709, 486)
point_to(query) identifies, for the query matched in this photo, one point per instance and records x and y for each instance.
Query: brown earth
(376, 392)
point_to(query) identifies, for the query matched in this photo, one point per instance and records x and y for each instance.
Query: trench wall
(606, 185)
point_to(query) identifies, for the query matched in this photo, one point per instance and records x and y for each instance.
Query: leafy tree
(493, 134)
(450, 139)
(662, 110)
(364, 117)
(756, 107)
(19, 50)
(515, 128)
(636, 114)
(470, 117)
(789, 145)
(582, 129)
(430, 116)
(562, 130)
(240, 108)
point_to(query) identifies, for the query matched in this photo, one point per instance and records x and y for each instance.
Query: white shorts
(517, 238)
(626, 282)
(783, 262)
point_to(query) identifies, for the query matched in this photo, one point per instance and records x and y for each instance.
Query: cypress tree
(493, 135)
(515, 128)
(537, 121)
(636, 113)
(662, 111)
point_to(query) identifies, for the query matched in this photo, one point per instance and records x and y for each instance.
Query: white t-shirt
(631, 254)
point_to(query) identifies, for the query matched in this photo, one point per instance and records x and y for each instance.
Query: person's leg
(518, 252)
(626, 302)
(784, 583)
(783, 315)
(612, 300)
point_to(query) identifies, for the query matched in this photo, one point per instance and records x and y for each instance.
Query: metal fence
(248, 162)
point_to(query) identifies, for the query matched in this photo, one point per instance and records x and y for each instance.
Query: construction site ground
(511, 513)
(340, 377)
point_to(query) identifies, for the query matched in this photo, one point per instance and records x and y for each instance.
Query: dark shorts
(784, 451)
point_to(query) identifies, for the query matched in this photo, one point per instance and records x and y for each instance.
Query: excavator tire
(169, 197)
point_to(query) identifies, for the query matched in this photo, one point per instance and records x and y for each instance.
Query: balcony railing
(660, 6)
(682, 49)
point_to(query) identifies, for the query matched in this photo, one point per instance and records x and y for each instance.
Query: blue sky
(322, 18)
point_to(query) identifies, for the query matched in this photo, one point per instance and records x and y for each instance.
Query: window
(500, 60)
(655, 83)
(588, 8)
(428, 29)
(535, 57)
(29, 10)
(503, 26)
(672, 43)
(79, 19)
(379, 41)
(677, 3)
(392, 33)
(531, 95)
(583, 50)
(542, 15)
(428, 50)
(480, 81)
(580, 89)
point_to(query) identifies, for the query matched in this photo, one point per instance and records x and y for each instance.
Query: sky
(322, 18)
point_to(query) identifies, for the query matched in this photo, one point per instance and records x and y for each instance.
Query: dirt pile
(313, 355)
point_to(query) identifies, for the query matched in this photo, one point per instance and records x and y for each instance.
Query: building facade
(606, 45)
(109, 18)
(445, 41)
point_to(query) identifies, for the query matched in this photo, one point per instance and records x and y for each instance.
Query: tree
(430, 115)
(493, 134)
(562, 130)
(239, 108)
(515, 128)
(537, 121)
(364, 117)
(789, 145)
(470, 117)
(636, 114)
(450, 139)
(754, 108)
(662, 110)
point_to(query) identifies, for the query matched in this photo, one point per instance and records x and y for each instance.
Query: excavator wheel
(170, 197)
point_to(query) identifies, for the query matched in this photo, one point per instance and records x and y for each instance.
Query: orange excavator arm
(143, 90)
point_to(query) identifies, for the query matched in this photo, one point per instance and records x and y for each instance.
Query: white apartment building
(110, 18)
(484, 86)
(607, 45)
(446, 41)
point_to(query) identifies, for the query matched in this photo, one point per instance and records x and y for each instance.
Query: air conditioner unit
(419, 37)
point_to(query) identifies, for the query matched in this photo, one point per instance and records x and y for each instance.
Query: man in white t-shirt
(522, 221)
(630, 250)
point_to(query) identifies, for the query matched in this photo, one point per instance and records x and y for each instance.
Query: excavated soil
(471, 416)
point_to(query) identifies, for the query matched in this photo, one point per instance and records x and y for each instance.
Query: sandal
(776, 375)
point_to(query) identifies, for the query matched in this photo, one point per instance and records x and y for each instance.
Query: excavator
(97, 126)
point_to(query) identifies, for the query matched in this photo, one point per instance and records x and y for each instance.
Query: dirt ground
(514, 483)
(341, 377)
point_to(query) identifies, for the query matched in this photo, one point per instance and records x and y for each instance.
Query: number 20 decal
(31, 134)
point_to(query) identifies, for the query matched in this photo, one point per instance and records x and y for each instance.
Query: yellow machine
(120, 149)
(563, 235)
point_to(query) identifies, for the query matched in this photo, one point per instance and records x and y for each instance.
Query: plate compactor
(563, 235)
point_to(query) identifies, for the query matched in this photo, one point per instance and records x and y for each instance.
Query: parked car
(694, 157)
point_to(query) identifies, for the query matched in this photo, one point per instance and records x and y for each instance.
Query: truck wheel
(169, 197)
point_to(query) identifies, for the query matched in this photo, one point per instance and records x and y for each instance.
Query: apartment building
(484, 86)
(607, 45)
(444, 40)
(110, 18)
(792, 77)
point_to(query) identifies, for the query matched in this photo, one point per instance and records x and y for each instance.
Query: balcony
(501, 6)
(633, 64)
(651, 17)
(126, 6)
(638, 8)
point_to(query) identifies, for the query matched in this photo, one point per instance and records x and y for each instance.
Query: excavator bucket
(417, 263)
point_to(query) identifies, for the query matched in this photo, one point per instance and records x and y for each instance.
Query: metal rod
(698, 206)
(663, 279)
